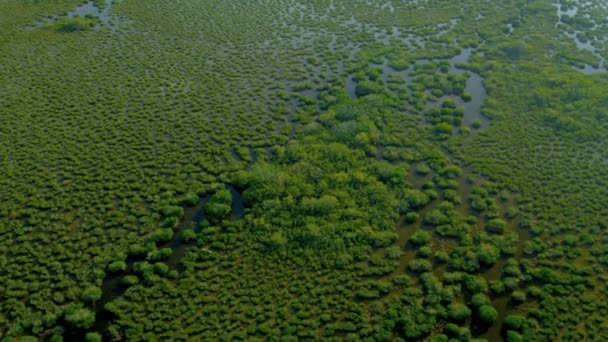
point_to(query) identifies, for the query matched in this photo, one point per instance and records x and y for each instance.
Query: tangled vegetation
(287, 169)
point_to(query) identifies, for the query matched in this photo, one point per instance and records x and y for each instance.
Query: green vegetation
(487, 313)
(303, 170)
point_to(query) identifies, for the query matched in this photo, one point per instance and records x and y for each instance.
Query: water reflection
(474, 86)
(89, 9)
(581, 44)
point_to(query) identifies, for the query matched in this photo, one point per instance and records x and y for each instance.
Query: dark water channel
(502, 303)
(194, 215)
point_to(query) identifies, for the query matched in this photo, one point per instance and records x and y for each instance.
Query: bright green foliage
(416, 198)
(487, 253)
(424, 252)
(129, 280)
(423, 169)
(411, 217)
(93, 337)
(518, 296)
(476, 284)
(458, 311)
(159, 254)
(515, 322)
(421, 237)
(164, 234)
(420, 265)
(91, 294)
(476, 123)
(496, 226)
(450, 171)
(480, 299)
(487, 313)
(173, 211)
(117, 266)
(514, 336)
(436, 217)
(219, 206)
(189, 234)
(439, 338)
(56, 338)
(368, 87)
(161, 268)
(329, 208)
(80, 318)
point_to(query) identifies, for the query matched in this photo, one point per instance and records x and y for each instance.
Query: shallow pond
(88, 9)
(586, 45)
(91, 9)
(474, 86)
(591, 70)
(472, 109)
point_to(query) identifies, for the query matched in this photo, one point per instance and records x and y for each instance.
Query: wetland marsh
(303, 170)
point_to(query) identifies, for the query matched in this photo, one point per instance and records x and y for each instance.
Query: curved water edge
(474, 86)
(112, 287)
(581, 45)
(89, 9)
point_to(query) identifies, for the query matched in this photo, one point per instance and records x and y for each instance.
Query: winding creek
(113, 286)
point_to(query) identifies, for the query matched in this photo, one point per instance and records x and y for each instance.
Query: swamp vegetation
(303, 170)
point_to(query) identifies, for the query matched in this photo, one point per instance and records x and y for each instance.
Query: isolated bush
(117, 266)
(496, 225)
(219, 206)
(421, 237)
(92, 337)
(487, 313)
(91, 294)
(80, 317)
(458, 311)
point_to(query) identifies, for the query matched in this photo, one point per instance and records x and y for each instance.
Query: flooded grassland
(285, 169)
